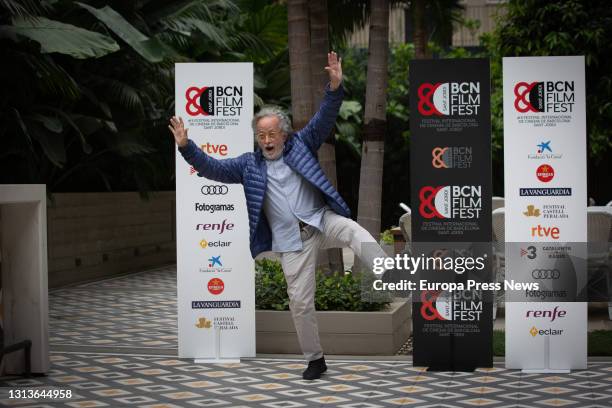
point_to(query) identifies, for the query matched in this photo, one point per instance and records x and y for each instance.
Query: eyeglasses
(273, 135)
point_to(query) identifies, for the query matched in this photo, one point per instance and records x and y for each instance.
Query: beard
(274, 153)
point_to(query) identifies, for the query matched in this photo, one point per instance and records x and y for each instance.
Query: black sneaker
(315, 369)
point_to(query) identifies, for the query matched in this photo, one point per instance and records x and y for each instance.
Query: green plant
(599, 343)
(334, 292)
(386, 237)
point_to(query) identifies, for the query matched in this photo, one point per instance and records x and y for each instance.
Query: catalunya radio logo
(449, 98)
(214, 100)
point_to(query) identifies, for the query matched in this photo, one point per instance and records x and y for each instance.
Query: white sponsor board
(215, 282)
(545, 208)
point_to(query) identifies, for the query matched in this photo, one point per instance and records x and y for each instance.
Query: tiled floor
(114, 345)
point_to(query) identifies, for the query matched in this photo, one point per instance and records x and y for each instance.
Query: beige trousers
(299, 268)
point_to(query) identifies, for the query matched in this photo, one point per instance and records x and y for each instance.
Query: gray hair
(273, 110)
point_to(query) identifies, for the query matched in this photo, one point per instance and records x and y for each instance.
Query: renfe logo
(224, 226)
(551, 314)
(545, 232)
(556, 97)
(214, 101)
(211, 148)
(449, 98)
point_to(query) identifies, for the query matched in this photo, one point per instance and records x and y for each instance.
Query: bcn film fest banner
(450, 160)
(545, 211)
(215, 282)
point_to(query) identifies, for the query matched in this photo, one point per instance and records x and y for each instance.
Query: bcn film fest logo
(449, 99)
(548, 97)
(214, 101)
(464, 306)
(463, 202)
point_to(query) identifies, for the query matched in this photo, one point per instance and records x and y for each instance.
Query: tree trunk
(370, 176)
(299, 62)
(319, 47)
(420, 32)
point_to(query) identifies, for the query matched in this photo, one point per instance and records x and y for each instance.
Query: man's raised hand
(334, 69)
(177, 127)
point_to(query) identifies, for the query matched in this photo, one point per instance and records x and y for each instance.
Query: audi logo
(215, 190)
(545, 274)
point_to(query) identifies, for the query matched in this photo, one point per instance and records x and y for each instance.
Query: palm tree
(373, 147)
(319, 46)
(420, 30)
(299, 62)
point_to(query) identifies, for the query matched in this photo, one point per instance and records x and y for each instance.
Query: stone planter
(352, 333)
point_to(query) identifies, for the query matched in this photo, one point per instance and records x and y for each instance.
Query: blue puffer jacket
(300, 154)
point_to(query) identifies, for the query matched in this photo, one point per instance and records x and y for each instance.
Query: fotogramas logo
(212, 208)
(545, 173)
(452, 157)
(464, 305)
(548, 97)
(215, 286)
(544, 151)
(214, 101)
(449, 99)
(462, 202)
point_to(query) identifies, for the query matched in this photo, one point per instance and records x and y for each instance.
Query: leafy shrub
(386, 237)
(334, 292)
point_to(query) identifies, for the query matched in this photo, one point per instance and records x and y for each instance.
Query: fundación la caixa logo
(548, 96)
(449, 98)
(214, 100)
(464, 202)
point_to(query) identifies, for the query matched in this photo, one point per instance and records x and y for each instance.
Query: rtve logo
(214, 101)
(211, 148)
(449, 98)
(545, 232)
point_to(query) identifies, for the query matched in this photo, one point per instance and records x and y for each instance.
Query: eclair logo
(449, 98)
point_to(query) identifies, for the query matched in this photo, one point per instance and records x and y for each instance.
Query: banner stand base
(462, 369)
(545, 371)
(216, 361)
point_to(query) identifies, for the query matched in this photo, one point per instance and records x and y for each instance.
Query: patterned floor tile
(139, 312)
